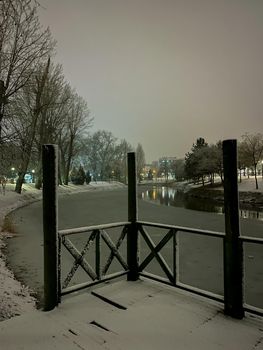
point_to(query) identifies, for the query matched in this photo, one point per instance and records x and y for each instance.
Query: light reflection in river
(170, 197)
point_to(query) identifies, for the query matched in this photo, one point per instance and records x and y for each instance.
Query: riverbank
(15, 298)
(248, 194)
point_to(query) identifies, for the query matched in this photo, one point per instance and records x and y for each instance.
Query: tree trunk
(19, 182)
(2, 93)
(38, 183)
(28, 148)
(255, 174)
(68, 162)
(23, 169)
(59, 174)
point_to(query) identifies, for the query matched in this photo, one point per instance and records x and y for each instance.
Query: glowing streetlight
(12, 174)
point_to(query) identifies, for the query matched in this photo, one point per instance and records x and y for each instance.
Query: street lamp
(33, 175)
(12, 175)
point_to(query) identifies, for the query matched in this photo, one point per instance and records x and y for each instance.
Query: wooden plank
(85, 285)
(73, 231)
(111, 256)
(79, 258)
(113, 248)
(157, 248)
(157, 255)
(184, 229)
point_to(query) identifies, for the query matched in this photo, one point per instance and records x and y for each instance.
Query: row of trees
(204, 161)
(37, 104)
(106, 157)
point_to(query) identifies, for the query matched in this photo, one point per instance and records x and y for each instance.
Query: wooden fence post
(132, 236)
(50, 226)
(233, 249)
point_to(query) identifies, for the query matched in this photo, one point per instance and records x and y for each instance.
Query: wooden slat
(157, 255)
(113, 248)
(97, 255)
(94, 283)
(184, 229)
(79, 258)
(157, 248)
(73, 231)
(175, 257)
(111, 256)
(248, 239)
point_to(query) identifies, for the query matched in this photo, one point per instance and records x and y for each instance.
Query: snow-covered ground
(249, 185)
(15, 298)
(246, 185)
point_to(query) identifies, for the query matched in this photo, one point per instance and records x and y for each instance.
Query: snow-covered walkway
(150, 316)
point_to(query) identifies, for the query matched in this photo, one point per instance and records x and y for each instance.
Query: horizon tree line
(205, 161)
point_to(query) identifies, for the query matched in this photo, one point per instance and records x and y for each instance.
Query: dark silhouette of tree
(204, 161)
(140, 160)
(252, 151)
(24, 45)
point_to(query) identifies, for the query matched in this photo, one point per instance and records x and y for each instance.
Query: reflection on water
(170, 197)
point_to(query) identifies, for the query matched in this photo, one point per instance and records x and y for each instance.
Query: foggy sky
(164, 72)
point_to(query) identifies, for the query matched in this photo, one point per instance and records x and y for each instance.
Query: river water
(168, 196)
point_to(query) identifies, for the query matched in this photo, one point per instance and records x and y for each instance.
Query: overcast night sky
(164, 72)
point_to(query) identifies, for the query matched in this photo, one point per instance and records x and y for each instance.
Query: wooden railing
(54, 240)
(97, 275)
(94, 235)
(172, 272)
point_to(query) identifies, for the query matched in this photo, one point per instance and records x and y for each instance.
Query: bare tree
(52, 114)
(244, 160)
(77, 122)
(100, 153)
(252, 151)
(120, 160)
(23, 45)
(25, 111)
(140, 159)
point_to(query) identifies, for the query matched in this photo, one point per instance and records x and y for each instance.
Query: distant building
(166, 167)
(167, 160)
